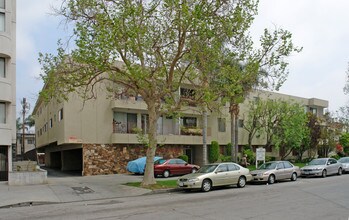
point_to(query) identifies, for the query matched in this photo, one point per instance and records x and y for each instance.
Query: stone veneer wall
(111, 159)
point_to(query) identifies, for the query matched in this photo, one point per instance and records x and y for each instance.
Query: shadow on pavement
(52, 172)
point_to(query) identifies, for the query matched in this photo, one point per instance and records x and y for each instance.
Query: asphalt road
(310, 198)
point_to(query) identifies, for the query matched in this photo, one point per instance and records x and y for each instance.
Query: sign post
(260, 155)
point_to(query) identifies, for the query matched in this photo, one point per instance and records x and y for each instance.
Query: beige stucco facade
(7, 84)
(73, 126)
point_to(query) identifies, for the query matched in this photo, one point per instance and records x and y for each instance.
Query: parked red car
(173, 167)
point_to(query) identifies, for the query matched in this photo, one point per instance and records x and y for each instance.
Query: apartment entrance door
(188, 152)
(3, 163)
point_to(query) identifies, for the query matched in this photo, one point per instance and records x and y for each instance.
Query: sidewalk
(71, 189)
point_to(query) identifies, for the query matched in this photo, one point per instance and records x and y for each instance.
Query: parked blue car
(137, 166)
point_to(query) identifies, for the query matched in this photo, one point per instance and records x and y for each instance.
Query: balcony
(125, 102)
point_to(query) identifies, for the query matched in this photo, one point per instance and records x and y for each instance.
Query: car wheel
(242, 182)
(166, 173)
(294, 177)
(194, 170)
(324, 173)
(271, 179)
(340, 171)
(206, 185)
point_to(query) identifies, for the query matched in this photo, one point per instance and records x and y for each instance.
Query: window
(51, 124)
(241, 123)
(189, 122)
(188, 95)
(221, 124)
(124, 122)
(145, 123)
(172, 162)
(180, 161)
(232, 167)
(30, 141)
(2, 4)
(60, 115)
(222, 168)
(287, 165)
(313, 110)
(2, 113)
(2, 67)
(280, 166)
(2, 21)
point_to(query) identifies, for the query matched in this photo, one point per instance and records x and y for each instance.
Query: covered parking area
(67, 158)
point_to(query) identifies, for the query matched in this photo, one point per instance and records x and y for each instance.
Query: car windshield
(267, 166)
(318, 162)
(344, 160)
(160, 161)
(207, 169)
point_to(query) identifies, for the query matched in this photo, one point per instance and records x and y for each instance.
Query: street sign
(260, 154)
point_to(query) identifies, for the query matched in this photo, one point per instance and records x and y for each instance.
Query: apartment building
(7, 85)
(99, 136)
(27, 146)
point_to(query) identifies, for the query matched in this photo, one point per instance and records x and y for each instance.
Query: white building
(7, 85)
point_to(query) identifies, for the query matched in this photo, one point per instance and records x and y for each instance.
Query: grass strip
(161, 184)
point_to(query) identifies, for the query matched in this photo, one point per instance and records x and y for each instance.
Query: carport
(64, 158)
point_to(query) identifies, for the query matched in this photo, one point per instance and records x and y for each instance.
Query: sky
(321, 27)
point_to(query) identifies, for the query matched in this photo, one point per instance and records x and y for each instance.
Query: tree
(344, 141)
(311, 141)
(330, 132)
(253, 124)
(29, 122)
(263, 68)
(161, 44)
(214, 152)
(282, 122)
(291, 130)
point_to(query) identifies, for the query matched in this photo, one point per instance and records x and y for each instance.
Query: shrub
(223, 158)
(184, 157)
(229, 145)
(250, 155)
(214, 152)
(336, 156)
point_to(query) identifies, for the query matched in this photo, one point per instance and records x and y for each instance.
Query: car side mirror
(186, 164)
(328, 163)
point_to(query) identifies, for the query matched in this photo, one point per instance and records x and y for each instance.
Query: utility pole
(25, 108)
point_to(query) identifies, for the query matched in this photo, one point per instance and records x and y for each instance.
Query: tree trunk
(234, 113)
(149, 178)
(236, 119)
(232, 136)
(204, 138)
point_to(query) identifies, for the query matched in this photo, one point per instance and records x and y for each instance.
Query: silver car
(322, 167)
(211, 175)
(275, 170)
(345, 164)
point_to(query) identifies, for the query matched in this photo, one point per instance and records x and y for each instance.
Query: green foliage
(163, 184)
(184, 157)
(214, 152)
(269, 158)
(151, 47)
(141, 137)
(336, 156)
(251, 158)
(344, 141)
(228, 149)
(282, 122)
(329, 135)
(224, 158)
